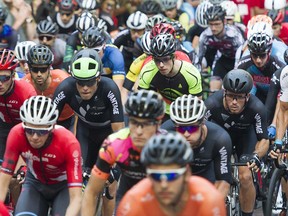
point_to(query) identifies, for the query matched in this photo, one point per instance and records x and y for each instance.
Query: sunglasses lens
(35, 131)
(4, 78)
(37, 69)
(257, 55)
(164, 176)
(48, 38)
(66, 14)
(88, 83)
(189, 129)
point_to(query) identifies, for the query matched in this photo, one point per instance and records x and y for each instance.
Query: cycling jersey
(261, 76)
(284, 84)
(138, 64)
(58, 160)
(113, 63)
(3, 210)
(8, 36)
(186, 81)
(204, 199)
(57, 76)
(284, 33)
(68, 28)
(109, 21)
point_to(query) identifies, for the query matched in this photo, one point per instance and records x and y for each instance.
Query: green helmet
(86, 64)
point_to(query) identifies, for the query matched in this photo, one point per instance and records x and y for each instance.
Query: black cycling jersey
(195, 30)
(65, 29)
(212, 157)
(109, 22)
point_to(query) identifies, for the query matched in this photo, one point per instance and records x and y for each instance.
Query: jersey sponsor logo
(13, 102)
(2, 117)
(49, 155)
(114, 102)
(147, 197)
(261, 79)
(226, 125)
(223, 154)
(258, 124)
(216, 211)
(3, 104)
(31, 157)
(224, 116)
(75, 155)
(197, 197)
(59, 97)
(275, 79)
(207, 115)
(180, 85)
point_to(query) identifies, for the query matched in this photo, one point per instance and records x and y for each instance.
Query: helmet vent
(91, 66)
(77, 66)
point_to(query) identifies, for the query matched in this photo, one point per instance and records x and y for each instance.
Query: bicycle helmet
(39, 110)
(85, 21)
(3, 13)
(66, 5)
(200, 13)
(276, 16)
(179, 29)
(40, 55)
(216, 2)
(259, 18)
(187, 110)
(47, 27)
(22, 49)
(93, 37)
(260, 43)
(137, 21)
(230, 8)
(162, 45)
(274, 4)
(145, 42)
(154, 20)
(146, 104)
(162, 28)
(150, 7)
(166, 149)
(260, 27)
(168, 4)
(86, 64)
(89, 4)
(286, 56)
(215, 13)
(8, 60)
(238, 81)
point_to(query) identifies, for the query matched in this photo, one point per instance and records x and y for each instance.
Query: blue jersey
(113, 62)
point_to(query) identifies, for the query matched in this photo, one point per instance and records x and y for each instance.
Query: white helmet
(187, 110)
(230, 7)
(85, 21)
(259, 18)
(260, 27)
(154, 20)
(39, 110)
(145, 42)
(216, 2)
(89, 4)
(274, 4)
(168, 4)
(22, 49)
(200, 11)
(137, 20)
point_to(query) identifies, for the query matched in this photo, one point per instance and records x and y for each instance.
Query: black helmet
(47, 27)
(145, 104)
(166, 149)
(66, 5)
(93, 37)
(286, 56)
(40, 55)
(150, 7)
(260, 43)
(238, 81)
(163, 45)
(214, 13)
(3, 13)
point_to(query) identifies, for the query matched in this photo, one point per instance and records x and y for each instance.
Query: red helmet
(8, 60)
(276, 16)
(162, 28)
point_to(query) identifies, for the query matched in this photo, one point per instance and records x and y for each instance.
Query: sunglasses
(233, 97)
(4, 78)
(259, 55)
(38, 131)
(136, 123)
(190, 129)
(65, 14)
(163, 60)
(167, 175)
(99, 48)
(88, 83)
(39, 69)
(48, 38)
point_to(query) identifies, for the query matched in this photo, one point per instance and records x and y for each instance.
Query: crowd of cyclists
(114, 88)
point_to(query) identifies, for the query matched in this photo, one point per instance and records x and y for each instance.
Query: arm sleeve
(118, 70)
(60, 96)
(202, 46)
(260, 123)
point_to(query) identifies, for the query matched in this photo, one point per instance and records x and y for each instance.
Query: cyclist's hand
(271, 131)
(274, 154)
(254, 163)
(20, 174)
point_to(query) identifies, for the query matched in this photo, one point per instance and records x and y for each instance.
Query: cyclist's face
(66, 16)
(164, 64)
(108, 6)
(169, 193)
(35, 140)
(193, 135)
(216, 27)
(260, 60)
(171, 13)
(235, 102)
(86, 91)
(6, 79)
(136, 33)
(40, 74)
(47, 40)
(141, 130)
(276, 30)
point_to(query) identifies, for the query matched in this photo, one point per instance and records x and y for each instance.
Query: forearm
(30, 30)
(4, 184)
(74, 207)
(282, 120)
(223, 187)
(88, 203)
(262, 147)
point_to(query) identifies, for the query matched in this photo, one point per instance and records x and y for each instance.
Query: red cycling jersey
(58, 161)
(10, 104)
(284, 33)
(3, 210)
(204, 200)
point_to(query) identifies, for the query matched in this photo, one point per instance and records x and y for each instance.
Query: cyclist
(126, 39)
(145, 110)
(12, 95)
(53, 159)
(225, 38)
(211, 144)
(45, 80)
(169, 76)
(112, 58)
(20, 51)
(150, 7)
(243, 116)
(47, 31)
(170, 189)
(84, 22)
(280, 29)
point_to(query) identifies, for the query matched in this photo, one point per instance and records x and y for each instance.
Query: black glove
(255, 159)
(278, 144)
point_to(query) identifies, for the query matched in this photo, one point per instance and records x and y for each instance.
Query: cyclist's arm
(75, 195)
(282, 120)
(262, 147)
(223, 187)
(4, 184)
(117, 126)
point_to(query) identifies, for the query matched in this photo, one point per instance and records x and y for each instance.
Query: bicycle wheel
(275, 198)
